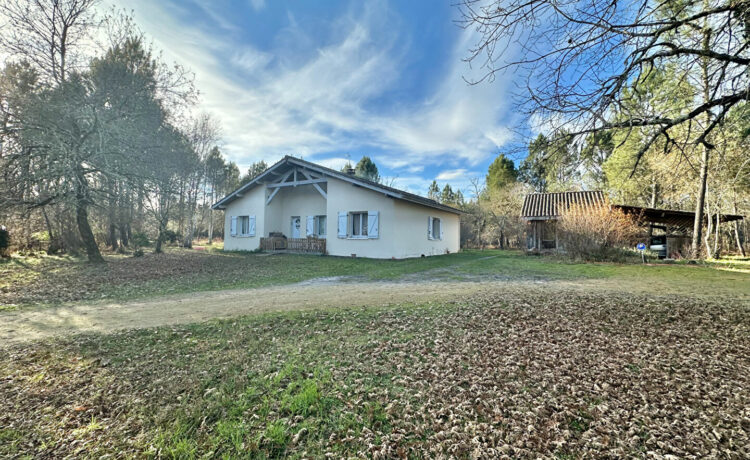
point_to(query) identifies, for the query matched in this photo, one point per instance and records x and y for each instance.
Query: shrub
(41, 237)
(140, 240)
(171, 236)
(596, 232)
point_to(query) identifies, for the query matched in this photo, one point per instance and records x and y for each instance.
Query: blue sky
(331, 80)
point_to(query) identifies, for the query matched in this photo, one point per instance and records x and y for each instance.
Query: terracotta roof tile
(549, 205)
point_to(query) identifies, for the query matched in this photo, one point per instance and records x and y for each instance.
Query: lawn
(54, 280)
(523, 371)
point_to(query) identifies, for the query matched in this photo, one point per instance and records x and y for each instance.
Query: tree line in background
(604, 162)
(98, 140)
(646, 100)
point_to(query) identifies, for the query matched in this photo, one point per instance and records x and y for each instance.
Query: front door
(296, 224)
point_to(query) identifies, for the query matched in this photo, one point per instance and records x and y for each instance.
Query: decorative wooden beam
(273, 194)
(296, 183)
(270, 197)
(317, 187)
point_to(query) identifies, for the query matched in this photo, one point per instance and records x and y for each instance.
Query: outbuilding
(667, 231)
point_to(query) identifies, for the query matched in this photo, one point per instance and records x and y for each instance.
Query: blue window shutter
(373, 224)
(310, 225)
(342, 224)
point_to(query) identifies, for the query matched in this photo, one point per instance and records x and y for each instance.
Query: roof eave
(221, 204)
(231, 197)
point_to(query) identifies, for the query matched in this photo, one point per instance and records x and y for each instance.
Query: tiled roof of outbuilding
(550, 205)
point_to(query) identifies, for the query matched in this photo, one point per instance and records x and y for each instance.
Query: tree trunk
(737, 238)
(159, 240)
(654, 193)
(112, 216)
(705, 154)
(54, 244)
(87, 236)
(211, 218)
(124, 231)
(210, 226)
(113, 236)
(717, 236)
(707, 236)
(181, 207)
(188, 241)
(138, 220)
(700, 204)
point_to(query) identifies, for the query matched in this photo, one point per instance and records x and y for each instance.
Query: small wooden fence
(307, 245)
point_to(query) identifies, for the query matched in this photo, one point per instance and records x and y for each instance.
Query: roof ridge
(402, 194)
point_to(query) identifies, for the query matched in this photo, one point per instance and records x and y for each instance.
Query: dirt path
(32, 324)
(39, 323)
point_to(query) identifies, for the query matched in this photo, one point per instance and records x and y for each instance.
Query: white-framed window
(316, 226)
(320, 223)
(358, 224)
(434, 228)
(243, 226)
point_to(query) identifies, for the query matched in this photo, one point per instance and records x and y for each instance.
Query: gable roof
(289, 161)
(539, 206)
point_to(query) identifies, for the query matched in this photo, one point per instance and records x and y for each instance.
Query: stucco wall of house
(411, 230)
(253, 203)
(344, 196)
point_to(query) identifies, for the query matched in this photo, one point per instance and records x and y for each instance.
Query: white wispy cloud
(306, 96)
(258, 4)
(453, 174)
(333, 163)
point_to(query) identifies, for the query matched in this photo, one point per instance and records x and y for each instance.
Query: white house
(298, 205)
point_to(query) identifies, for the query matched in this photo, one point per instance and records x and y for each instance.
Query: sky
(331, 81)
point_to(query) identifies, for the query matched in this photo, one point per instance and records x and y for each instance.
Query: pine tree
(367, 169)
(447, 196)
(501, 173)
(433, 192)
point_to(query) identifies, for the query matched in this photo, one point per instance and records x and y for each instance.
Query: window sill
(358, 238)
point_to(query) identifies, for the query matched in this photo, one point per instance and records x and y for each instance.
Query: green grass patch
(55, 280)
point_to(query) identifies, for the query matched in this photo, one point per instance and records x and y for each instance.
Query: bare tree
(48, 34)
(203, 134)
(579, 57)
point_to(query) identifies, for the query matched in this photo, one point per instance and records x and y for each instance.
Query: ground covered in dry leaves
(522, 372)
